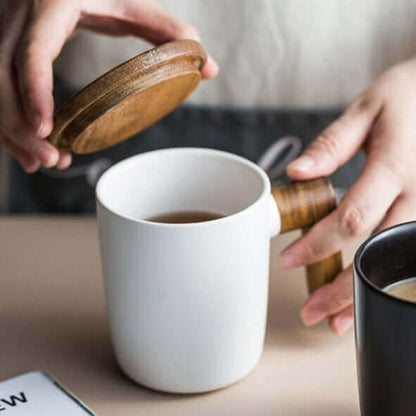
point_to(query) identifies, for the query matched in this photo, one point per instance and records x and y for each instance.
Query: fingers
(144, 19)
(21, 138)
(65, 160)
(12, 21)
(361, 209)
(341, 322)
(329, 299)
(403, 210)
(28, 162)
(48, 26)
(210, 69)
(334, 300)
(338, 142)
(13, 121)
(44, 151)
(32, 37)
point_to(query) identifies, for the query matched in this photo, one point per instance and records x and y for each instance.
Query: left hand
(32, 34)
(380, 121)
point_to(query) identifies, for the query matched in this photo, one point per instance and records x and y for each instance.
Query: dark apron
(246, 132)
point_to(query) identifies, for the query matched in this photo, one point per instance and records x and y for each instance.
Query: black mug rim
(361, 251)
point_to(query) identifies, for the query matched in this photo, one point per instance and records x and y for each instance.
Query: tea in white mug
(184, 217)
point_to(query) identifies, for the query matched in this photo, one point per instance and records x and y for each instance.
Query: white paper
(38, 394)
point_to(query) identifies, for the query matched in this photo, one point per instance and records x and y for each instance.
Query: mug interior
(389, 256)
(181, 179)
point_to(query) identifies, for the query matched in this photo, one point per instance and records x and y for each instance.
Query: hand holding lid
(129, 98)
(138, 93)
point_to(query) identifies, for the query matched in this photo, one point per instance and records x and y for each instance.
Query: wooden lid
(129, 98)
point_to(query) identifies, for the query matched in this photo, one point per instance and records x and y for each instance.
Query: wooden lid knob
(129, 98)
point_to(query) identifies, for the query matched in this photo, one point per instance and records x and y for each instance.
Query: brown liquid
(184, 217)
(404, 289)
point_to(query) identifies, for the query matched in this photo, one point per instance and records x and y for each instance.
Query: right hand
(32, 34)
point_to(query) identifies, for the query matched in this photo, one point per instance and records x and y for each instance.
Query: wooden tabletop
(53, 317)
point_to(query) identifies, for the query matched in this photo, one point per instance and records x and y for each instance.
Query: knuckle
(365, 103)
(4, 71)
(3, 128)
(26, 51)
(26, 88)
(5, 63)
(187, 31)
(16, 130)
(396, 78)
(338, 301)
(312, 251)
(328, 143)
(60, 2)
(10, 128)
(394, 172)
(352, 221)
(3, 29)
(13, 126)
(20, 56)
(398, 74)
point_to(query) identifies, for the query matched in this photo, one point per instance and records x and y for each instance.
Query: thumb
(338, 142)
(145, 19)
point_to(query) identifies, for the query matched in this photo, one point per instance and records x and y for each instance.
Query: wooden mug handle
(302, 204)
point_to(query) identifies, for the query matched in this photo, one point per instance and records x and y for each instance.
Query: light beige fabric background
(272, 53)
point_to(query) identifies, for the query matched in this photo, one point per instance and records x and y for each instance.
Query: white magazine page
(38, 394)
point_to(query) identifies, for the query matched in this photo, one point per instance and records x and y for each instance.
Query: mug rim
(266, 190)
(361, 251)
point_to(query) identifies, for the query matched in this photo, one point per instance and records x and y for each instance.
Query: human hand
(32, 34)
(381, 122)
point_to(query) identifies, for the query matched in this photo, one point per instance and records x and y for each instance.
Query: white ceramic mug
(187, 302)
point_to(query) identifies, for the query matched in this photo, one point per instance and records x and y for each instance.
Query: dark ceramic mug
(385, 326)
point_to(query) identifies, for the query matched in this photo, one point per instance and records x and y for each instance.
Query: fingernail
(312, 316)
(43, 131)
(47, 156)
(214, 63)
(36, 120)
(302, 164)
(31, 169)
(288, 260)
(42, 127)
(210, 68)
(64, 161)
(342, 324)
(40, 130)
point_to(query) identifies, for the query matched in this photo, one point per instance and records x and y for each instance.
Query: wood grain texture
(302, 204)
(129, 98)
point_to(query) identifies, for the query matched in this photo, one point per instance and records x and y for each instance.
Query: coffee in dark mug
(403, 289)
(385, 324)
